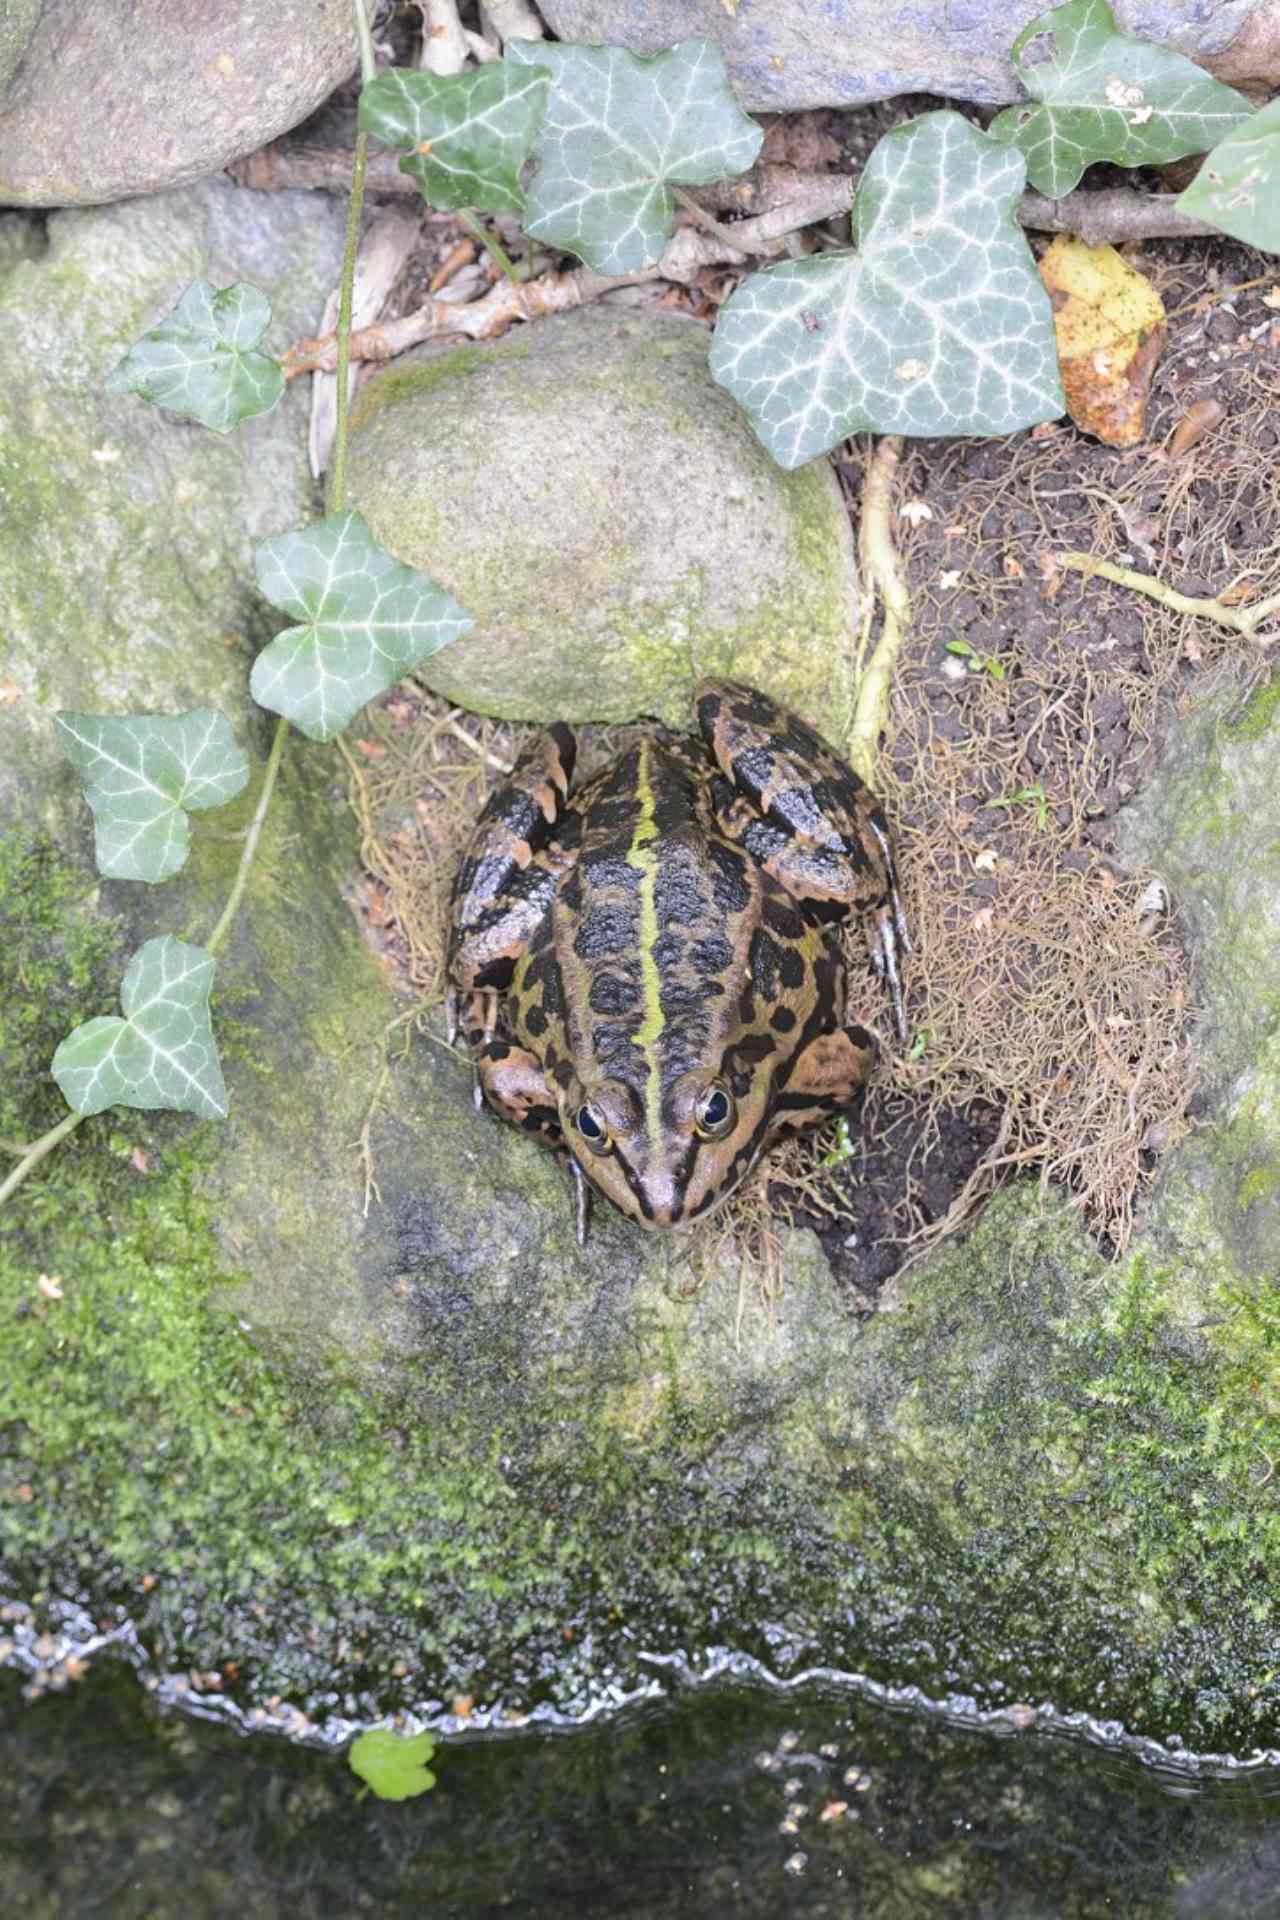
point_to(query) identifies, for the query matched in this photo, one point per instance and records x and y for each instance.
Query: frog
(648, 969)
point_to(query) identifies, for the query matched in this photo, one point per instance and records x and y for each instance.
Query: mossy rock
(362, 1448)
(604, 512)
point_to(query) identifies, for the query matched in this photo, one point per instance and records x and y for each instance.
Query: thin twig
(482, 319)
(727, 236)
(1112, 214)
(1243, 620)
(455, 727)
(1219, 294)
(800, 197)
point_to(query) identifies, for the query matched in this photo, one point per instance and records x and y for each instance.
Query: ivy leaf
(1104, 95)
(393, 1764)
(367, 619)
(938, 324)
(470, 132)
(162, 1053)
(1238, 187)
(618, 130)
(143, 773)
(200, 360)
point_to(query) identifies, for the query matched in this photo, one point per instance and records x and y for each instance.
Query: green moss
(396, 384)
(1259, 712)
(57, 967)
(1258, 1185)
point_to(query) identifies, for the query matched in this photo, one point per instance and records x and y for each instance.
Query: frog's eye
(715, 1112)
(592, 1128)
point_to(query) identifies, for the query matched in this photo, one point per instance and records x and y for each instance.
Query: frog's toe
(888, 940)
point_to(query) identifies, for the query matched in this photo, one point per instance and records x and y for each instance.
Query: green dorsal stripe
(644, 859)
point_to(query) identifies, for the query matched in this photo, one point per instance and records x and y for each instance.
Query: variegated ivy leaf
(470, 132)
(938, 324)
(1238, 187)
(366, 620)
(618, 130)
(162, 1054)
(1102, 95)
(143, 773)
(201, 360)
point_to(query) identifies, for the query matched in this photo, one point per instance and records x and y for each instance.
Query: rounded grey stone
(787, 54)
(133, 96)
(606, 515)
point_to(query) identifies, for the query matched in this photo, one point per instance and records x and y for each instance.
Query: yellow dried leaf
(1110, 328)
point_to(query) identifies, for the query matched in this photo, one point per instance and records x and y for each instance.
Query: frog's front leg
(507, 878)
(823, 1080)
(515, 1084)
(805, 817)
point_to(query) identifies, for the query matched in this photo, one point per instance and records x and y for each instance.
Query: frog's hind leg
(806, 818)
(823, 1080)
(507, 877)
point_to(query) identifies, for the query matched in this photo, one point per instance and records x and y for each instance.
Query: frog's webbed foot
(582, 1201)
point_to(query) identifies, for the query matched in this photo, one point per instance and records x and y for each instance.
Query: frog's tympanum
(649, 969)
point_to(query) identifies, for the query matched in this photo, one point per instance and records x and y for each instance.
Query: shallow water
(116, 1806)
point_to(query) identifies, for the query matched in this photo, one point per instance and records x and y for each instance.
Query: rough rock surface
(124, 535)
(134, 96)
(785, 54)
(352, 1450)
(605, 513)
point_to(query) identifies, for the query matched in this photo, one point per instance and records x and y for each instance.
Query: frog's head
(667, 1155)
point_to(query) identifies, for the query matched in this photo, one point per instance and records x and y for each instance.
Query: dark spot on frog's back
(782, 918)
(791, 967)
(614, 993)
(766, 964)
(730, 887)
(712, 955)
(680, 890)
(782, 1020)
(606, 930)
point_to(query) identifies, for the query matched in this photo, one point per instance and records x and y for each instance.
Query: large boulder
(605, 513)
(787, 54)
(329, 1444)
(135, 96)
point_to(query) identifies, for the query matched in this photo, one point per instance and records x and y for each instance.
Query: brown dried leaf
(1109, 322)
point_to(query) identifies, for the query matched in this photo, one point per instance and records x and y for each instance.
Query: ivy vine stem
(355, 207)
(251, 838)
